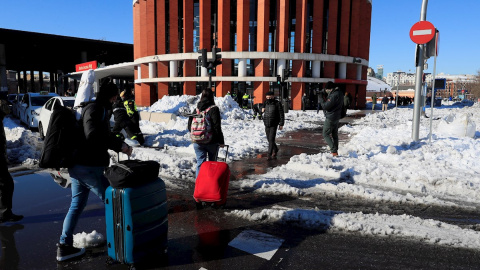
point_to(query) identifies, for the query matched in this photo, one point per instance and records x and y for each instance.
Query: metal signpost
(421, 33)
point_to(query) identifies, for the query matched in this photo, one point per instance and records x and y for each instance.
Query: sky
(391, 168)
(390, 44)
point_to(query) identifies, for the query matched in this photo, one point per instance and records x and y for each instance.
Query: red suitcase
(211, 186)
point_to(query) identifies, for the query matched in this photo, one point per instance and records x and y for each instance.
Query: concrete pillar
(359, 72)
(316, 69)
(24, 84)
(173, 68)
(152, 70)
(18, 80)
(281, 65)
(242, 67)
(32, 81)
(342, 70)
(139, 72)
(40, 80)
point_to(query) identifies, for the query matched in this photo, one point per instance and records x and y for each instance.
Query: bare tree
(474, 87)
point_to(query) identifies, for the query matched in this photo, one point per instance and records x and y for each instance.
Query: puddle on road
(293, 143)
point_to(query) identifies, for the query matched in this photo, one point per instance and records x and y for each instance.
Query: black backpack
(64, 134)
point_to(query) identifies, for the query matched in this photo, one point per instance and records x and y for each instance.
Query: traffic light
(216, 56)
(210, 68)
(203, 61)
(279, 80)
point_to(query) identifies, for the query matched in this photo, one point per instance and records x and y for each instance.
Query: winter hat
(329, 85)
(270, 93)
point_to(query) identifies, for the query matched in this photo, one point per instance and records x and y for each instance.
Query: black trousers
(271, 133)
(6, 189)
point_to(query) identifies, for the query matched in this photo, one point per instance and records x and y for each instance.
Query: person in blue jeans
(90, 161)
(210, 148)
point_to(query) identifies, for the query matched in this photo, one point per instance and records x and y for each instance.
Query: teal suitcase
(136, 222)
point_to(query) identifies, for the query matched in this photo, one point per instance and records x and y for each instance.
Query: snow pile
(402, 226)
(85, 240)
(457, 126)
(23, 146)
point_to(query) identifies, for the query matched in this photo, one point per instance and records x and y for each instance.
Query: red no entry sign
(422, 32)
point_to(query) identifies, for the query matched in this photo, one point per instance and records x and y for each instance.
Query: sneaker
(11, 218)
(66, 252)
(334, 154)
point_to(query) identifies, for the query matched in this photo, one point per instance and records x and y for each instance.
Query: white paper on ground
(257, 243)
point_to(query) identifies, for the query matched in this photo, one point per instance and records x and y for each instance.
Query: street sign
(422, 32)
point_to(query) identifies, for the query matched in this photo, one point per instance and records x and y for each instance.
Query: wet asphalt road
(199, 238)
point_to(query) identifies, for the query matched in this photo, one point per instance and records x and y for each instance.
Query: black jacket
(333, 104)
(122, 120)
(273, 115)
(214, 114)
(93, 150)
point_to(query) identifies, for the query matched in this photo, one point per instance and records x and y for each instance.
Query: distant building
(313, 41)
(379, 74)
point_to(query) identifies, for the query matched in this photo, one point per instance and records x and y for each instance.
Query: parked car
(16, 105)
(31, 106)
(47, 110)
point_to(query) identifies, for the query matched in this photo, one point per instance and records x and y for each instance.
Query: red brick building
(314, 40)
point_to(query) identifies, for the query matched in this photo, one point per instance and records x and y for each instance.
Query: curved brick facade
(316, 41)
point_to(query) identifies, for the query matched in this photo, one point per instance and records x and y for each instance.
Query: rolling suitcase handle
(226, 153)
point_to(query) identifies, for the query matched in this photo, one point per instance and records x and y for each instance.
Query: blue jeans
(84, 179)
(201, 151)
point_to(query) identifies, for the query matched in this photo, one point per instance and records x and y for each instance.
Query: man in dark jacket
(90, 161)
(332, 104)
(6, 181)
(273, 117)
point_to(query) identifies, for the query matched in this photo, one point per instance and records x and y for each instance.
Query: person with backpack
(332, 104)
(6, 180)
(89, 163)
(273, 118)
(206, 129)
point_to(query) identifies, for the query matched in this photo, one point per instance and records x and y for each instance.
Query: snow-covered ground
(379, 163)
